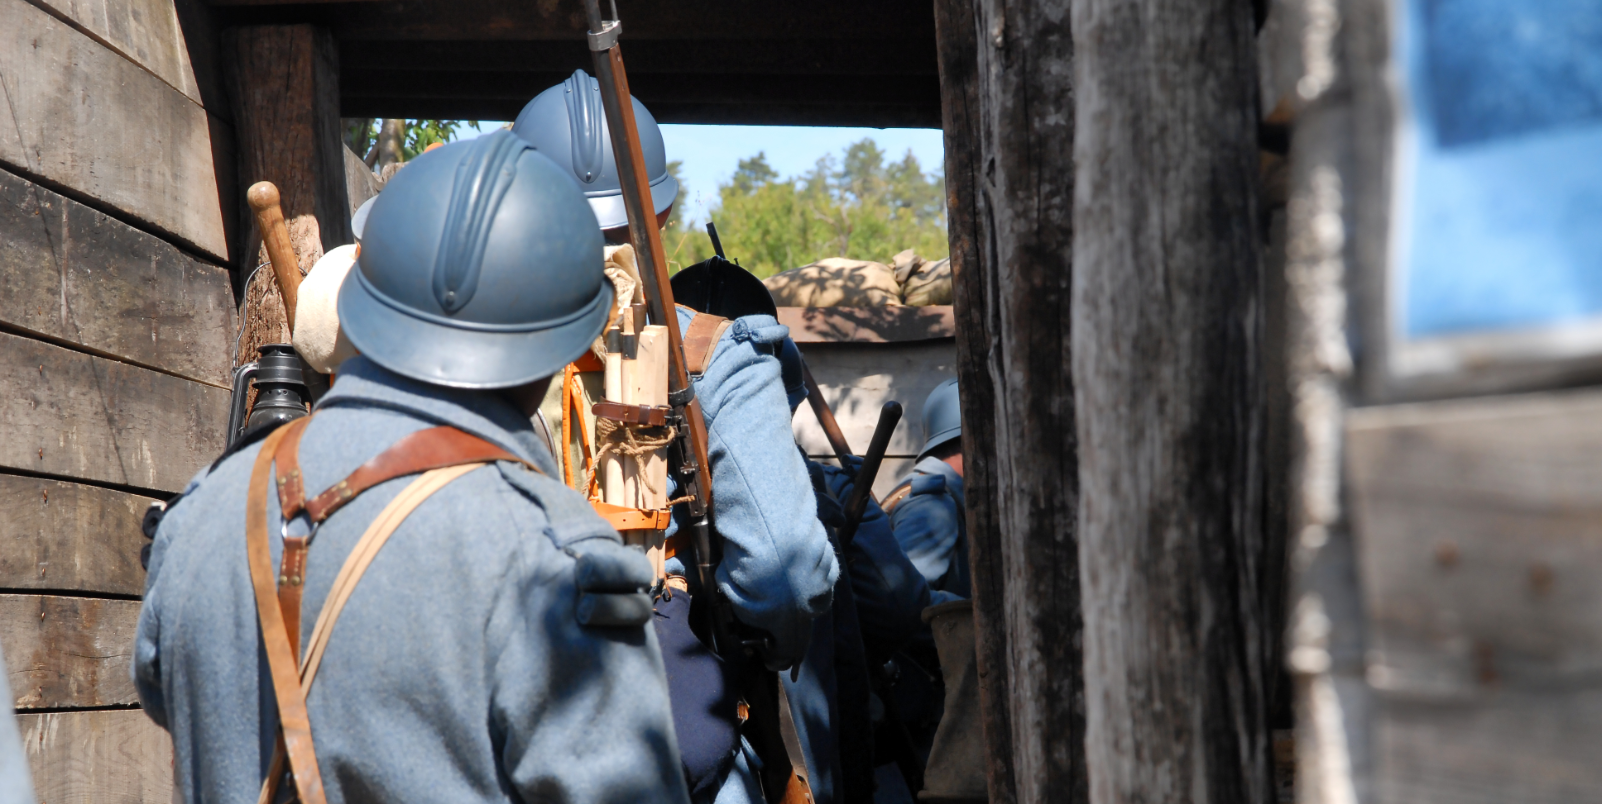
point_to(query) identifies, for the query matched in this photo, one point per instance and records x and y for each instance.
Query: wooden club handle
(263, 198)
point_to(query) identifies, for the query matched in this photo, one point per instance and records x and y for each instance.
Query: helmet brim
(609, 209)
(462, 358)
(938, 439)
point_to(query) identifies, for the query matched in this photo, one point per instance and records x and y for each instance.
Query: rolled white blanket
(317, 321)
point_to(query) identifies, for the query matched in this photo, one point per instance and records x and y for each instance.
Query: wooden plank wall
(117, 324)
(1478, 531)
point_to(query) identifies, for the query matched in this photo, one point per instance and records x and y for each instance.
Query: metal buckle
(606, 37)
(303, 516)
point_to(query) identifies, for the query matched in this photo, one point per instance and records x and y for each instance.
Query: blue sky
(710, 153)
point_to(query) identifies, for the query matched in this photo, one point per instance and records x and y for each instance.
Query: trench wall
(117, 324)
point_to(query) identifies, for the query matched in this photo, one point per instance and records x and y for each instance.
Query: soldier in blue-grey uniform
(777, 569)
(927, 516)
(873, 617)
(461, 669)
(927, 507)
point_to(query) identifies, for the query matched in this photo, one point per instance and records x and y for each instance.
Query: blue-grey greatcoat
(830, 695)
(929, 524)
(457, 672)
(778, 569)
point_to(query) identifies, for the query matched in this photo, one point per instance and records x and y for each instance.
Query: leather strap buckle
(645, 415)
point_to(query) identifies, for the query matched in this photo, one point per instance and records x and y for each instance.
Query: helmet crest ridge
(582, 94)
(473, 209)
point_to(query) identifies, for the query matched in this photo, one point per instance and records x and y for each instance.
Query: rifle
(689, 451)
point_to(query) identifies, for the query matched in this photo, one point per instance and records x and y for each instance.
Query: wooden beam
(509, 20)
(117, 755)
(750, 110)
(1167, 318)
(75, 275)
(70, 537)
(1025, 175)
(977, 329)
(75, 415)
(145, 32)
(841, 53)
(88, 120)
(69, 652)
(285, 86)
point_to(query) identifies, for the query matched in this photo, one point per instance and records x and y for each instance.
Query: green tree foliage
(361, 133)
(859, 206)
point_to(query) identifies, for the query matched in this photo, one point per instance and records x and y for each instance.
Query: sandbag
(836, 282)
(930, 283)
(956, 771)
(317, 324)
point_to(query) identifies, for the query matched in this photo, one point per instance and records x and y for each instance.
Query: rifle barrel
(890, 414)
(826, 417)
(650, 256)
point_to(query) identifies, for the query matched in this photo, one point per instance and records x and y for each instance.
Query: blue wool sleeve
(778, 569)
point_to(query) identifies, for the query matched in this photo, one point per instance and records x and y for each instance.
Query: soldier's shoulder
(567, 518)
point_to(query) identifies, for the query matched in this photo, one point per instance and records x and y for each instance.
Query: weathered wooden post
(284, 82)
(1167, 321)
(1012, 248)
(973, 327)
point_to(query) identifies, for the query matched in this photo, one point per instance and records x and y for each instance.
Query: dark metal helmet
(942, 420)
(719, 287)
(567, 124)
(481, 267)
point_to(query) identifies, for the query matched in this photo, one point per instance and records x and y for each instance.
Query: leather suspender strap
(362, 555)
(292, 564)
(701, 338)
(295, 724)
(279, 609)
(798, 790)
(434, 448)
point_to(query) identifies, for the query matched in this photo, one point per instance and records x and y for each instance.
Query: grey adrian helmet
(567, 124)
(942, 420)
(481, 267)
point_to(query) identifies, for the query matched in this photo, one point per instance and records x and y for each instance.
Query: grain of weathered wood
(88, 119)
(360, 183)
(72, 273)
(976, 327)
(1168, 400)
(1478, 527)
(858, 378)
(1529, 746)
(284, 81)
(117, 755)
(146, 32)
(1024, 237)
(71, 414)
(69, 536)
(69, 652)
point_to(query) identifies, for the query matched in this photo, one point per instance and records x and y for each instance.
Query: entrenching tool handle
(826, 417)
(263, 198)
(890, 414)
